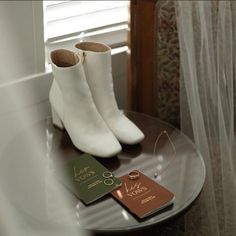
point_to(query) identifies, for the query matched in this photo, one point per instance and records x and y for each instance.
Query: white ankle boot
(73, 107)
(98, 70)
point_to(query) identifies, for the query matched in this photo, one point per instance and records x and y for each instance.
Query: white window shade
(70, 19)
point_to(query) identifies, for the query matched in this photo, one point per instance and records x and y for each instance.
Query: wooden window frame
(142, 47)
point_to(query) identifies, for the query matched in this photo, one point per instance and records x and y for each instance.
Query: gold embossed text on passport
(84, 174)
(135, 190)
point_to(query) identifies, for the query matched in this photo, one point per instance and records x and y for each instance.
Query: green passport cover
(84, 177)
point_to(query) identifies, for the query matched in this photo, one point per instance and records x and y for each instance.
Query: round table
(176, 164)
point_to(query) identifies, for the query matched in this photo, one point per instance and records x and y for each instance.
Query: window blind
(68, 19)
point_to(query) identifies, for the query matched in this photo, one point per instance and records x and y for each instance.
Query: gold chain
(155, 146)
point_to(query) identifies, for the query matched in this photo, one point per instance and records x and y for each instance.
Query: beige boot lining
(64, 58)
(94, 47)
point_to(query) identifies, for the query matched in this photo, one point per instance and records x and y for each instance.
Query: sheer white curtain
(207, 38)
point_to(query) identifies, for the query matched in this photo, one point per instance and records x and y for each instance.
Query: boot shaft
(69, 74)
(98, 70)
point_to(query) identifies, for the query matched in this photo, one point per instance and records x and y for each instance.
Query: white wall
(23, 83)
(21, 39)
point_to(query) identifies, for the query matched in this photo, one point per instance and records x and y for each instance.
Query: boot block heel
(56, 120)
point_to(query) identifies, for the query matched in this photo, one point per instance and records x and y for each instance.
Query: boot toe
(104, 146)
(110, 151)
(107, 146)
(130, 136)
(126, 131)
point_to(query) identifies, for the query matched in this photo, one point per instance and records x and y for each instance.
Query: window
(103, 21)
(67, 22)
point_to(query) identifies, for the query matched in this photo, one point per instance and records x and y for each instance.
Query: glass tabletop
(181, 170)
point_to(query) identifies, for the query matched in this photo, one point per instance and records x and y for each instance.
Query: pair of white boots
(83, 101)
